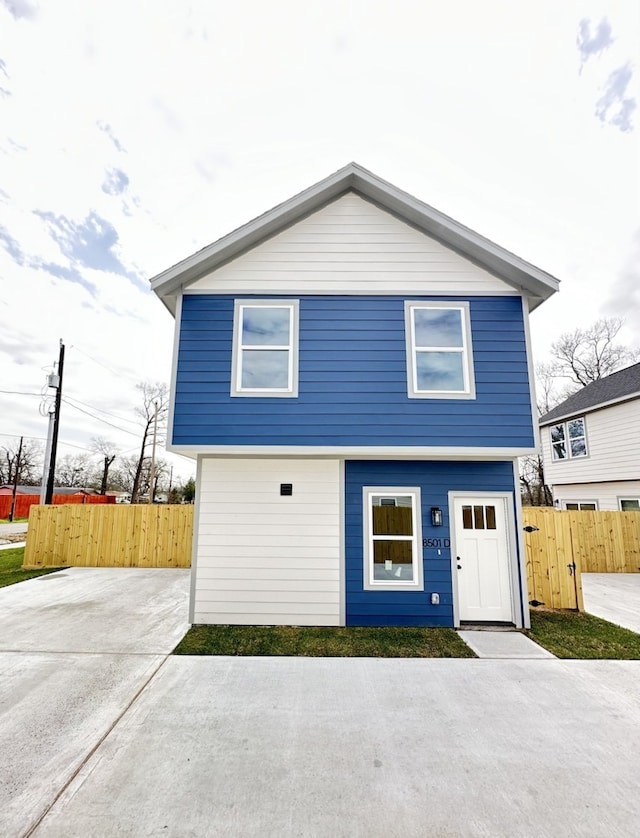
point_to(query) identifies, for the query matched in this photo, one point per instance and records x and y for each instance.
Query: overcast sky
(134, 132)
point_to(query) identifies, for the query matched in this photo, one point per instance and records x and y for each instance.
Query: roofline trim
(521, 274)
(600, 406)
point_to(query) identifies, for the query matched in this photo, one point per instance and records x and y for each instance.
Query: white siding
(351, 246)
(265, 559)
(605, 494)
(613, 441)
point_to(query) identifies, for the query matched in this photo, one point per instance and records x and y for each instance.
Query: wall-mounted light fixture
(436, 516)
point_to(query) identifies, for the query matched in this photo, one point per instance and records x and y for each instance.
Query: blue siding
(353, 380)
(435, 479)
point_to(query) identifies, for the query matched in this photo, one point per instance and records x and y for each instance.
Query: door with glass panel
(482, 560)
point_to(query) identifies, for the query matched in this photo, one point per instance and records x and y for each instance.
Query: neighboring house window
(392, 539)
(569, 439)
(581, 506)
(629, 504)
(439, 353)
(265, 348)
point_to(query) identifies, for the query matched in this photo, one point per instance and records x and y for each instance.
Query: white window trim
(580, 502)
(371, 584)
(291, 391)
(622, 498)
(469, 391)
(567, 441)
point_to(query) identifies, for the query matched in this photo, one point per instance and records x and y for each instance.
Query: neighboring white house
(591, 445)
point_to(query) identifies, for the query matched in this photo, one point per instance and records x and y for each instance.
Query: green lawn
(10, 564)
(15, 521)
(324, 642)
(569, 634)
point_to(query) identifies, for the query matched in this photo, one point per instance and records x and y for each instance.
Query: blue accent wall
(352, 380)
(435, 479)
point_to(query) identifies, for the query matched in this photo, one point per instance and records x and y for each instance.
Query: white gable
(351, 246)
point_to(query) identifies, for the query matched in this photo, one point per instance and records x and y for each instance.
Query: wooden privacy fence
(568, 543)
(25, 502)
(116, 535)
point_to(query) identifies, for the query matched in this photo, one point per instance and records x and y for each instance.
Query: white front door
(482, 559)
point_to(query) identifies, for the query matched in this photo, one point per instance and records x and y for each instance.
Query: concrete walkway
(614, 597)
(511, 645)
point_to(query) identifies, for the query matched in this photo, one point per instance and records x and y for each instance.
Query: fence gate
(553, 565)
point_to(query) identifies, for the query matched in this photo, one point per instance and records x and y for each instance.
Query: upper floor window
(569, 439)
(265, 348)
(439, 353)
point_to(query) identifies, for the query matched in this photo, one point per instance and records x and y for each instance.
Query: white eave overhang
(524, 277)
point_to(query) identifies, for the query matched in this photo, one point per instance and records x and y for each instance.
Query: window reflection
(440, 371)
(265, 369)
(265, 326)
(438, 327)
(392, 548)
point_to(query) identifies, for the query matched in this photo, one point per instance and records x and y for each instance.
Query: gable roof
(523, 276)
(617, 387)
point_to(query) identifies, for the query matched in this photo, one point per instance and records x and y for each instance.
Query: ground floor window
(581, 505)
(629, 504)
(392, 538)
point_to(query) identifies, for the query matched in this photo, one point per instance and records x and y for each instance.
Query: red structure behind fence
(25, 502)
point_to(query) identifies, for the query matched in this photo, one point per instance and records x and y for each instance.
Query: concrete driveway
(76, 647)
(106, 743)
(614, 597)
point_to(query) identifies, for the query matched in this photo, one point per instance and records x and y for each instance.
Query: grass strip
(324, 642)
(11, 567)
(570, 634)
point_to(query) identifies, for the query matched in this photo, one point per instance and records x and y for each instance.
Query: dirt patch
(13, 538)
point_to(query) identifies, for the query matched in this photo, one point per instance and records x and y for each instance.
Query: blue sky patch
(115, 182)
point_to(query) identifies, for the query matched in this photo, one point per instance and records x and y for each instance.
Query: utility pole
(152, 468)
(56, 425)
(15, 482)
(47, 457)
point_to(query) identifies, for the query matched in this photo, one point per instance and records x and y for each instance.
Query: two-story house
(352, 372)
(591, 445)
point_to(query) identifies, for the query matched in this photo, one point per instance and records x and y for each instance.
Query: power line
(44, 439)
(99, 363)
(98, 418)
(100, 410)
(19, 393)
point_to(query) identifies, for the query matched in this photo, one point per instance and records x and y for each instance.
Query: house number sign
(436, 542)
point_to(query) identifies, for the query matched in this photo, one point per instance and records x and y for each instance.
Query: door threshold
(476, 626)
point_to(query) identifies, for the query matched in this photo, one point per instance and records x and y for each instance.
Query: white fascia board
(526, 278)
(577, 413)
(365, 452)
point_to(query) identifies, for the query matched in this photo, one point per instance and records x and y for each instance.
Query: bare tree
(578, 358)
(72, 470)
(154, 396)
(586, 355)
(534, 490)
(107, 451)
(122, 477)
(29, 468)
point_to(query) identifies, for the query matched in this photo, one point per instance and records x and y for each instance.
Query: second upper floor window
(265, 348)
(439, 353)
(569, 439)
